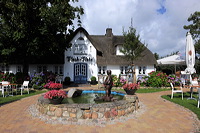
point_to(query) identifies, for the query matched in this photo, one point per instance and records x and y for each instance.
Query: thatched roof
(106, 49)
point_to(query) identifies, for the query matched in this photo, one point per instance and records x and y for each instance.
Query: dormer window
(118, 50)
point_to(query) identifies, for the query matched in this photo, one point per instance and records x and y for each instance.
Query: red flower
(55, 85)
(54, 94)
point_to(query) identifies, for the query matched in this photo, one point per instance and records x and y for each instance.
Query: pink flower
(131, 86)
(55, 85)
(54, 94)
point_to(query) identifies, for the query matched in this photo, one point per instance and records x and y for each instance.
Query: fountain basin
(76, 111)
(93, 96)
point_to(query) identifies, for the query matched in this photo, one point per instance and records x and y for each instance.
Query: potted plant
(93, 80)
(55, 96)
(131, 88)
(67, 80)
(55, 86)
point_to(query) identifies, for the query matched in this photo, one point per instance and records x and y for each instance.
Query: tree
(132, 47)
(156, 55)
(35, 29)
(194, 29)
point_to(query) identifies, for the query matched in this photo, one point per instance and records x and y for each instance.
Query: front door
(80, 73)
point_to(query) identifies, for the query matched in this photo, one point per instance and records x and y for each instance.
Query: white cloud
(163, 33)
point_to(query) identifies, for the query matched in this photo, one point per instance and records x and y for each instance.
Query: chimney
(109, 32)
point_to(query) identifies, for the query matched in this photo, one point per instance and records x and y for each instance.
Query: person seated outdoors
(194, 81)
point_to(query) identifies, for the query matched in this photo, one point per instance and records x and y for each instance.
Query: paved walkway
(160, 116)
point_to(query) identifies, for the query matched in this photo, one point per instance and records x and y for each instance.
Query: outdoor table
(191, 90)
(11, 87)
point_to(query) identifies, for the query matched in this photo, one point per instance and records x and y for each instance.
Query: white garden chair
(198, 98)
(2, 89)
(24, 86)
(176, 91)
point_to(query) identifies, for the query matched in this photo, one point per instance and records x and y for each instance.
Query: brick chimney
(109, 32)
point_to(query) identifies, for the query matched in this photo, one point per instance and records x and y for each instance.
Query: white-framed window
(41, 69)
(5, 68)
(80, 47)
(99, 69)
(123, 69)
(19, 68)
(142, 69)
(118, 50)
(58, 70)
(102, 69)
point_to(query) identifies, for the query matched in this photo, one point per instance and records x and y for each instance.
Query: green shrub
(19, 77)
(156, 79)
(93, 78)
(174, 79)
(159, 79)
(67, 80)
(118, 81)
(7, 77)
(37, 81)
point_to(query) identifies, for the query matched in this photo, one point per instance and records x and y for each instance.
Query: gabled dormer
(119, 47)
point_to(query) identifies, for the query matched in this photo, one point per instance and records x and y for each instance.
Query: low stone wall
(75, 112)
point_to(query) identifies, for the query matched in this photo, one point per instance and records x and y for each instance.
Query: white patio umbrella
(171, 60)
(190, 55)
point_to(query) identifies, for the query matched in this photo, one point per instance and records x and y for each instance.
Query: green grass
(151, 90)
(190, 104)
(145, 90)
(4, 100)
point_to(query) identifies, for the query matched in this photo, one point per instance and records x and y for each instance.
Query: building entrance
(80, 73)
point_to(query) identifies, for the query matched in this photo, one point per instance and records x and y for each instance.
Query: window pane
(61, 70)
(140, 69)
(104, 69)
(99, 71)
(121, 69)
(56, 69)
(144, 69)
(19, 69)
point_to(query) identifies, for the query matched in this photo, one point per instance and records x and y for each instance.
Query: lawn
(4, 100)
(190, 104)
(145, 90)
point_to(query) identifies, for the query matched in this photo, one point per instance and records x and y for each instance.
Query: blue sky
(158, 22)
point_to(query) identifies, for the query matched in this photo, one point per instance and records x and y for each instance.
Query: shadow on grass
(9, 99)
